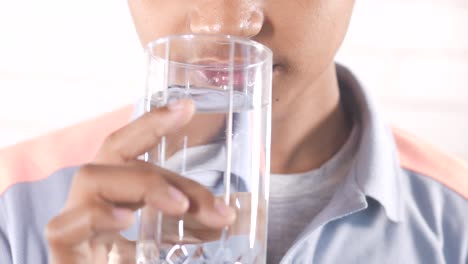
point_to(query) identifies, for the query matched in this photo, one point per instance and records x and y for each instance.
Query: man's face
(303, 34)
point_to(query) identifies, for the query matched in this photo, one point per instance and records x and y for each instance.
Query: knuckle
(51, 231)
(158, 123)
(85, 170)
(112, 138)
(85, 184)
(92, 217)
(110, 142)
(203, 199)
(200, 190)
(154, 182)
(87, 173)
(204, 194)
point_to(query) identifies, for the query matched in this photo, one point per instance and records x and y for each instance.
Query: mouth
(279, 64)
(222, 77)
(276, 67)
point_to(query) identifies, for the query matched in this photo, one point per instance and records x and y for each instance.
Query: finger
(204, 206)
(74, 226)
(154, 186)
(194, 231)
(144, 133)
(128, 186)
(122, 252)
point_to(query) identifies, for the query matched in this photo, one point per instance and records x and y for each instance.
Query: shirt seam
(3, 214)
(446, 189)
(4, 225)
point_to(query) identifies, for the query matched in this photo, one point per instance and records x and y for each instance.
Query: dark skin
(309, 122)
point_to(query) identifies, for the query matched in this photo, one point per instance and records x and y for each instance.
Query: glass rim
(259, 47)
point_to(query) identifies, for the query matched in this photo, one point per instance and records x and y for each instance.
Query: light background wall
(413, 56)
(62, 62)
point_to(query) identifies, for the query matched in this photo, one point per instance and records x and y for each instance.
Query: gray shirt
(295, 199)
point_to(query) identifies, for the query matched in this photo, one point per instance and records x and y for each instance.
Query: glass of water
(226, 146)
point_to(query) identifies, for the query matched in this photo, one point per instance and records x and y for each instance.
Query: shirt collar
(376, 169)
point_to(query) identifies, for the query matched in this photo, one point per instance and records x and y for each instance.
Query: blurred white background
(62, 62)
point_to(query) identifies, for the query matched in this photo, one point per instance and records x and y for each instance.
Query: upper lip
(221, 78)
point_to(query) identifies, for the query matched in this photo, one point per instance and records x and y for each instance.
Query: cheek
(318, 34)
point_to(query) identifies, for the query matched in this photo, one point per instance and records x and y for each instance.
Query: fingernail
(122, 215)
(178, 196)
(223, 209)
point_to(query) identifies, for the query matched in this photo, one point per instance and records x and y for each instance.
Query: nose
(242, 18)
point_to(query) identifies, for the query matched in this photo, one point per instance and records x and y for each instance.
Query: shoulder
(25, 210)
(34, 203)
(434, 194)
(36, 198)
(434, 166)
(39, 157)
(39, 192)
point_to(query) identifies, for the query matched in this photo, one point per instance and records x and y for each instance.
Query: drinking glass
(225, 147)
